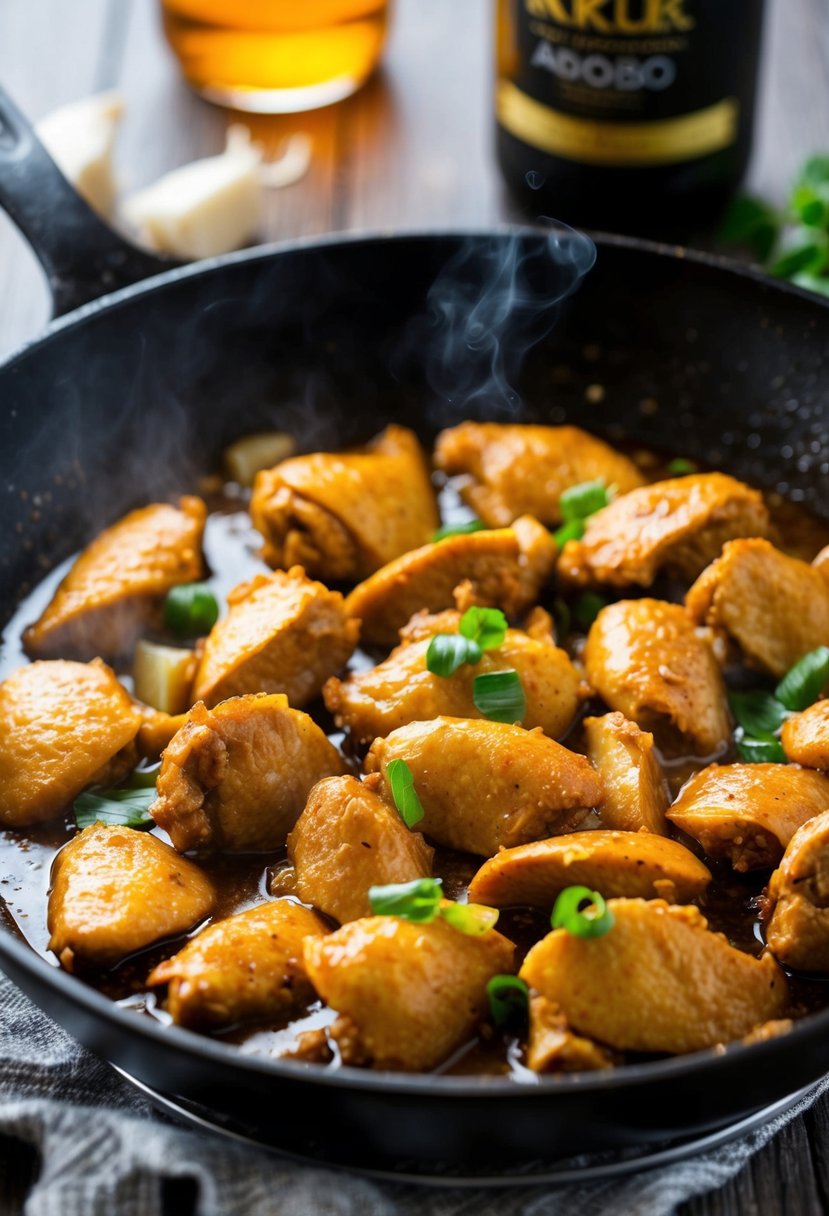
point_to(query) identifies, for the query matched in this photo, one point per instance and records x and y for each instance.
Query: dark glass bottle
(631, 115)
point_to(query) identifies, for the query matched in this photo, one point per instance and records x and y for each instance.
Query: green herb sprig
(760, 715)
(401, 783)
(421, 901)
(577, 504)
(479, 629)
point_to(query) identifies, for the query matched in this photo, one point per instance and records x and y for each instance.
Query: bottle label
(621, 82)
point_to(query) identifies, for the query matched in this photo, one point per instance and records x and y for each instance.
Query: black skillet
(134, 395)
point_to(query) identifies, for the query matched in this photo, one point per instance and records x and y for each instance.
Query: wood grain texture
(412, 150)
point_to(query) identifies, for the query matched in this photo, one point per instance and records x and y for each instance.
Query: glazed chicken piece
(63, 726)
(645, 659)
(774, 606)
(486, 785)
(247, 967)
(797, 906)
(236, 777)
(612, 863)
(348, 839)
(679, 526)
(552, 1046)
(115, 587)
(514, 470)
(401, 689)
(658, 981)
(409, 994)
(343, 515)
(635, 791)
(805, 736)
(749, 812)
(503, 569)
(116, 891)
(283, 633)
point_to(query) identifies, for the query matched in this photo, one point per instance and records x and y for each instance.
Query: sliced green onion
(572, 530)
(401, 781)
(802, 684)
(680, 467)
(190, 610)
(124, 808)
(417, 901)
(588, 497)
(760, 751)
(472, 525)
(499, 696)
(449, 651)
(758, 713)
(509, 1000)
(472, 919)
(569, 913)
(486, 626)
(587, 607)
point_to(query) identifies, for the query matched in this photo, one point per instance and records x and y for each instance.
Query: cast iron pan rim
(264, 253)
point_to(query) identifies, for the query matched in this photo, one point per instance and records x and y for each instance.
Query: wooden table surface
(412, 150)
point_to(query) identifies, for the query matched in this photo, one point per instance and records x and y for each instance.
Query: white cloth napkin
(105, 1150)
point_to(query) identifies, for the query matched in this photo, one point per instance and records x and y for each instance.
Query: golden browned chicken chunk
(805, 736)
(514, 470)
(658, 981)
(502, 569)
(115, 586)
(401, 689)
(116, 891)
(797, 906)
(486, 785)
(63, 726)
(679, 525)
(246, 967)
(774, 606)
(635, 790)
(237, 776)
(342, 515)
(410, 994)
(283, 633)
(346, 840)
(613, 863)
(749, 812)
(646, 660)
(552, 1046)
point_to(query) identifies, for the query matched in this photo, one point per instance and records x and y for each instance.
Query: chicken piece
(247, 967)
(635, 790)
(514, 470)
(646, 660)
(797, 906)
(486, 785)
(283, 633)
(613, 863)
(658, 981)
(805, 736)
(63, 726)
(774, 606)
(157, 730)
(401, 689)
(116, 891)
(115, 587)
(412, 994)
(343, 515)
(553, 1047)
(348, 839)
(679, 526)
(237, 777)
(749, 812)
(502, 569)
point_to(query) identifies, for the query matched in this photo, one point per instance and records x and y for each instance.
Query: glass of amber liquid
(276, 56)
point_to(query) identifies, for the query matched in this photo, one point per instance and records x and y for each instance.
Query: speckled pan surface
(135, 396)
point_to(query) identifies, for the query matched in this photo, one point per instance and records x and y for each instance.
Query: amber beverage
(276, 56)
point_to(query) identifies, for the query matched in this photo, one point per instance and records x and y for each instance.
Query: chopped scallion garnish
(587, 607)
(464, 529)
(583, 500)
(190, 610)
(401, 782)
(572, 530)
(472, 919)
(417, 901)
(802, 684)
(509, 1000)
(582, 912)
(123, 808)
(499, 696)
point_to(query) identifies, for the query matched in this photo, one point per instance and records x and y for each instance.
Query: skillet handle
(82, 256)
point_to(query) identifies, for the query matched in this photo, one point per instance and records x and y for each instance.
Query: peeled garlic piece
(79, 137)
(261, 450)
(205, 208)
(163, 676)
(291, 165)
